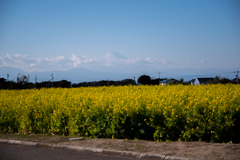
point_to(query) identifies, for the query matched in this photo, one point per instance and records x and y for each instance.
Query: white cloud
(81, 60)
(156, 60)
(76, 60)
(9, 56)
(54, 60)
(134, 61)
(33, 64)
(17, 61)
(28, 63)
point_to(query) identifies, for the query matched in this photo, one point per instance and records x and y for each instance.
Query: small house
(192, 81)
(199, 81)
(167, 81)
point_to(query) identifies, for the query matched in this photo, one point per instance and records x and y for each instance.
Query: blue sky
(156, 33)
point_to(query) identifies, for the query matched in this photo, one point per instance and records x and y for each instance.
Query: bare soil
(195, 150)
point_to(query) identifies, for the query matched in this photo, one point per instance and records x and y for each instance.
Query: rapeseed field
(178, 112)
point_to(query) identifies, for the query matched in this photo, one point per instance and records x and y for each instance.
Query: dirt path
(196, 150)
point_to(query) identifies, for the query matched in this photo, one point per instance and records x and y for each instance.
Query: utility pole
(28, 78)
(134, 81)
(159, 77)
(52, 79)
(237, 75)
(7, 76)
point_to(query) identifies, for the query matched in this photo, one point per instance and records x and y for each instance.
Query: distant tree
(3, 82)
(235, 80)
(216, 80)
(144, 79)
(223, 80)
(174, 82)
(22, 79)
(63, 84)
(181, 81)
(127, 82)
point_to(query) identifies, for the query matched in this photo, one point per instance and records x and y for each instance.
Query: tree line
(23, 83)
(146, 80)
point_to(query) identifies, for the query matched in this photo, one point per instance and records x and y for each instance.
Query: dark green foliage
(144, 79)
